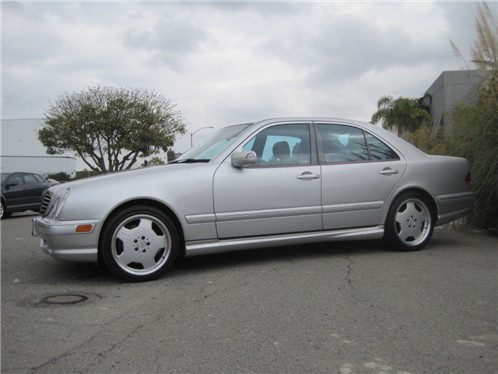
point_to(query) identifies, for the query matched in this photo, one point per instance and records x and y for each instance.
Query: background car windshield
(214, 145)
(4, 177)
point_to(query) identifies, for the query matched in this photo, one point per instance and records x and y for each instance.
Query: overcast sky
(230, 62)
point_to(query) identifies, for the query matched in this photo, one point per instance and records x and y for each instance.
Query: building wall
(43, 165)
(22, 151)
(448, 89)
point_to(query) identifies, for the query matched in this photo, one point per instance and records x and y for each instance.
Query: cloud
(168, 41)
(225, 62)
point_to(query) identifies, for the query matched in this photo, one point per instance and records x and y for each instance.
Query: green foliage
(82, 174)
(434, 145)
(404, 114)
(109, 128)
(154, 161)
(485, 50)
(476, 139)
(60, 176)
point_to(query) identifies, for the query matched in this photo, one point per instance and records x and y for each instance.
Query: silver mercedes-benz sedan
(270, 183)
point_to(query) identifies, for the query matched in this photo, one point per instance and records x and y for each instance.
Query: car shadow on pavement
(87, 273)
(253, 257)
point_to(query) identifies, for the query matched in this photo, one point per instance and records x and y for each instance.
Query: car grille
(47, 197)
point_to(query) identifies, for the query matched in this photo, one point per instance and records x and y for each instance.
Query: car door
(359, 172)
(279, 194)
(14, 190)
(34, 186)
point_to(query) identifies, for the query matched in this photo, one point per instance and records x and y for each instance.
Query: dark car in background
(22, 191)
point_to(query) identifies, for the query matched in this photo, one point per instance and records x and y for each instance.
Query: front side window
(30, 179)
(281, 145)
(39, 179)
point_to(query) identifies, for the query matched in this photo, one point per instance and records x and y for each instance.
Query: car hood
(95, 197)
(128, 175)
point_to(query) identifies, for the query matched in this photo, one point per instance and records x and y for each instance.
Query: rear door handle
(388, 171)
(308, 176)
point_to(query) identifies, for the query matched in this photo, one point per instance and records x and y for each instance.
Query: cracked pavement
(331, 308)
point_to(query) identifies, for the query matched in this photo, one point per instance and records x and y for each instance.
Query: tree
(154, 161)
(476, 125)
(110, 128)
(402, 114)
(485, 50)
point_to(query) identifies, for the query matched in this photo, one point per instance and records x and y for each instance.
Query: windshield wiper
(190, 161)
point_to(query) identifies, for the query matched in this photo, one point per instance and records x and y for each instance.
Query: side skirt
(203, 247)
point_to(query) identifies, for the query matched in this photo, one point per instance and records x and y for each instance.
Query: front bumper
(62, 241)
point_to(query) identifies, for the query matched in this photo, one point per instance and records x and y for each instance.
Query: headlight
(59, 204)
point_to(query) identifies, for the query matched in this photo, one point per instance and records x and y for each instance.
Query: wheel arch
(152, 203)
(430, 200)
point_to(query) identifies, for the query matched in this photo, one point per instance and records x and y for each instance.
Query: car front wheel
(3, 211)
(410, 222)
(139, 243)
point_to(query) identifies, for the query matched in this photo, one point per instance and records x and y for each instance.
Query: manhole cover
(63, 299)
(70, 298)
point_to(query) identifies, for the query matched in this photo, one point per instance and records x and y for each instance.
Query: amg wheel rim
(412, 222)
(141, 244)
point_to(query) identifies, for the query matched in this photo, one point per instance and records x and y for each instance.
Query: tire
(3, 211)
(410, 222)
(139, 243)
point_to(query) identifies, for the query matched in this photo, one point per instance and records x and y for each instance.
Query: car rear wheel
(139, 243)
(410, 222)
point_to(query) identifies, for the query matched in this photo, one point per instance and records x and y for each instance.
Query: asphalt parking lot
(329, 308)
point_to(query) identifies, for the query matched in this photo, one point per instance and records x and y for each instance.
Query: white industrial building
(22, 151)
(43, 165)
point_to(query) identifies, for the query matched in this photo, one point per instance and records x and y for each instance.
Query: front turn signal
(84, 229)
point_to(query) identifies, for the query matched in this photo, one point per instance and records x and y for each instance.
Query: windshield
(212, 146)
(4, 176)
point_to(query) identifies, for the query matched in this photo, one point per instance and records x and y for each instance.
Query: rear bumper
(453, 206)
(61, 241)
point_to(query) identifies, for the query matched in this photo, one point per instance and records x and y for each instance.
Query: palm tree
(402, 114)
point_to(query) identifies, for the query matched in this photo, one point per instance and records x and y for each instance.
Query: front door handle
(308, 176)
(388, 171)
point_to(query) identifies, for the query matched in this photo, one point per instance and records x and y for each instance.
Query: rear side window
(378, 150)
(342, 143)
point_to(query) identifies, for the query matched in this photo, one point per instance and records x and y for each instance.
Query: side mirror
(243, 159)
